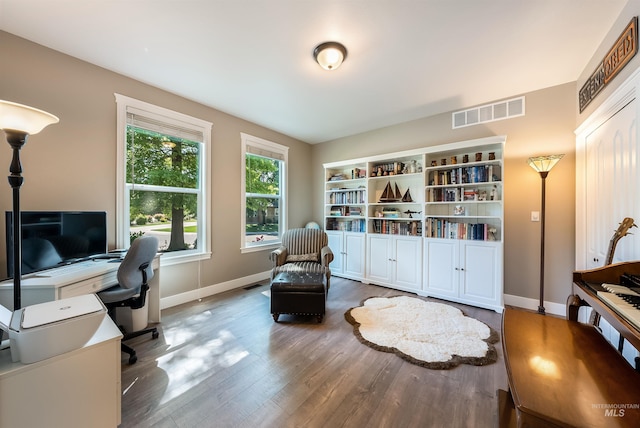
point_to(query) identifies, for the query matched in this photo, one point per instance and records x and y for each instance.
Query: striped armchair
(303, 250)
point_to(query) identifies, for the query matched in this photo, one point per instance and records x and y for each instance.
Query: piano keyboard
(624, 301)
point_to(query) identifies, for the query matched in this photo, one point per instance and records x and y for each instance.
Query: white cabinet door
(395, 261)
(379, 258)
(407, 256)
(441, 261)
(481, 276)
(610, 180)
(354, 247)
(336, 239)
(464, 271)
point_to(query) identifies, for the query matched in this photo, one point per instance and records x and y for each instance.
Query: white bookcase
(429, 220)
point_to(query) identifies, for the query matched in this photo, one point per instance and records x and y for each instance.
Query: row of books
(464, 175)
(359, 225)
(345, 210)
(441, 228)
(347, 197)
(409, 228)
(459, 194)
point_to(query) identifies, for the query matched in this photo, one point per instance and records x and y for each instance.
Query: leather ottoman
(298, 294)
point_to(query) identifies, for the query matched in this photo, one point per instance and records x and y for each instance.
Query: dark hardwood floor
(223, 362)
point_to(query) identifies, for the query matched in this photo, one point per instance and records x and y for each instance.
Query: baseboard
(190, 296)
(527, 303)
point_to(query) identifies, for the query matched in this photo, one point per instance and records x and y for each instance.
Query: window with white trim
(163, 178)
(263, 189)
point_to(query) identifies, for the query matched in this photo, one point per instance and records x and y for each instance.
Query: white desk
(77, 389)
(81, 278)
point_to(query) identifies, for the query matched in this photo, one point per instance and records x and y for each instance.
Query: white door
(611, 183)
(335, 243)
(354, 254)
(408, 262)
(379, 258)
(441, 262)
(481, 275)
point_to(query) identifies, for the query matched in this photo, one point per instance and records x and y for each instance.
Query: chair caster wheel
(155, 335)
(133, 359)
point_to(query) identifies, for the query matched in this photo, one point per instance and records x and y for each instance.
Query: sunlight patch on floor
(187, 365)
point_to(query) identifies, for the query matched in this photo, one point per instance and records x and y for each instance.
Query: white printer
(48, 329)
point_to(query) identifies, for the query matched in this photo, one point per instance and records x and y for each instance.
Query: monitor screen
(54, 238)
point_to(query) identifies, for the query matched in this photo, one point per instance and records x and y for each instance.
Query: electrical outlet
(535, 215)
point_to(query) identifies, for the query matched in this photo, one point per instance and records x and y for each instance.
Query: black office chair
(133, 274)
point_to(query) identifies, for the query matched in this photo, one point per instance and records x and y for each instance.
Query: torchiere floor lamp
(18, 121)
(543, 165)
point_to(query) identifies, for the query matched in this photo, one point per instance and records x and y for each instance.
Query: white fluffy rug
(429, 334)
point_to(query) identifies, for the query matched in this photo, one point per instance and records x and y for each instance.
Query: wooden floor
(223, 362)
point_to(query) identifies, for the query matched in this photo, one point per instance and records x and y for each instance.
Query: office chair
(133, 274)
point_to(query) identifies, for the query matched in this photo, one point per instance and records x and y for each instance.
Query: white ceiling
(407, 59)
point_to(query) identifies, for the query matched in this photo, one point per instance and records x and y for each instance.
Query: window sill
(256, 248)
(167, 260)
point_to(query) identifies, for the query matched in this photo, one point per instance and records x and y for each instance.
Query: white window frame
(267, 147)
(125, 104)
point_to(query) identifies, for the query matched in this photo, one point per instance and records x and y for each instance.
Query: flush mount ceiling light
(330, 55)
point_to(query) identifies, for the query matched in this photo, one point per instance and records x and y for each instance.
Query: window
(263, 193)
(163, 177)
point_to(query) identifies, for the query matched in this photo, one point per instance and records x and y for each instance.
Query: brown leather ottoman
(298, 294)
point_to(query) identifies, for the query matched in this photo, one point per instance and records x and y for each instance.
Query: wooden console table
(565, 374)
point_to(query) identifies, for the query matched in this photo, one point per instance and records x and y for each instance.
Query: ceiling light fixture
(330, 55)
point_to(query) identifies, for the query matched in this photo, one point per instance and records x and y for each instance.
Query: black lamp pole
(541, 310)
(16, 140)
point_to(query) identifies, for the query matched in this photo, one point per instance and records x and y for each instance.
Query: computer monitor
(54, 238)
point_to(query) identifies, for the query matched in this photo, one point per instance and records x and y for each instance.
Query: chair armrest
(278, 256)
(326, 256)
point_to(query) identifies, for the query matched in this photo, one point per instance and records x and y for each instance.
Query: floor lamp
(18, 121)
(543, 165)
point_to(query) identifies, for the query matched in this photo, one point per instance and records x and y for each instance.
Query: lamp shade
(544, 163)
(330, 55)
(24, 119)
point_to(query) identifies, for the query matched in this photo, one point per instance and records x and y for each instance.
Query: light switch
(535, 215)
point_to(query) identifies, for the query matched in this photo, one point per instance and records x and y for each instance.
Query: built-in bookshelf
(428, 220)
(395, 196)
(463, 194)
(346, 197)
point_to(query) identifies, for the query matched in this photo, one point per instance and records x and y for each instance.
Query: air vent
(488, 113)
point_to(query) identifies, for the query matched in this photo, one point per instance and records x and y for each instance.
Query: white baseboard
(190, 296)
(527, 303)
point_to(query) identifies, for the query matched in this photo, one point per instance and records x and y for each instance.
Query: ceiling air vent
(488, 113)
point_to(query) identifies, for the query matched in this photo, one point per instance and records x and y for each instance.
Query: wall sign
(618, 56)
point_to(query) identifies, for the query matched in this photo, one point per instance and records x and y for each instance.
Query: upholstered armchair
(303, 250)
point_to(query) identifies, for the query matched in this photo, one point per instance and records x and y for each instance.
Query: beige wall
(72, 165)
(547, 128)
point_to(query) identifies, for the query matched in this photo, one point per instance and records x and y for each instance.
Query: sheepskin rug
(429, 334)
